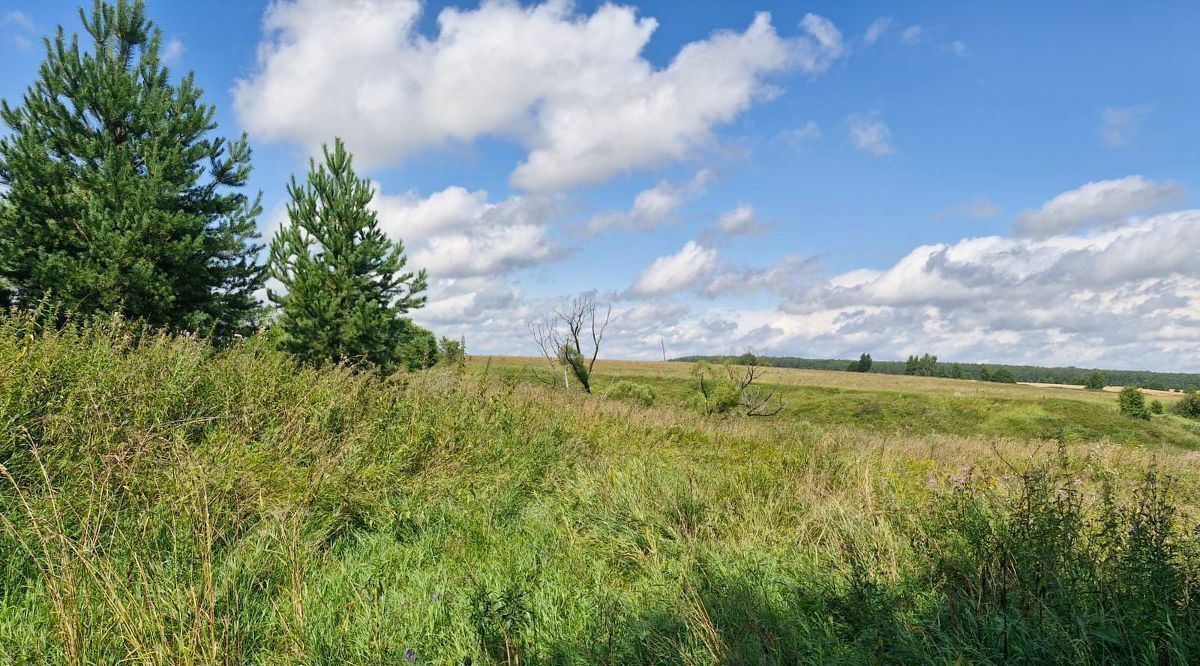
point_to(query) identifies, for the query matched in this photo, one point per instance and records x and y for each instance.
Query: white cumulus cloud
(1104, 201)
(686, 269)
(573, 89)
(742, 220)
(1125, 296)
(656, 206)
(1066, 298)
(458, 233)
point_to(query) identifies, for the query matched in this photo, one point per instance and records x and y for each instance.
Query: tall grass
(167, 503)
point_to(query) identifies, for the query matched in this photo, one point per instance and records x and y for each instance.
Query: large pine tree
(345, 293)
(120, 200)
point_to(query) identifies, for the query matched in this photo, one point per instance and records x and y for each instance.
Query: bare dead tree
(754, 401)
(736, 389)
(571, 337)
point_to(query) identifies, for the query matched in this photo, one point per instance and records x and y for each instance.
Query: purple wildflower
(410, 655)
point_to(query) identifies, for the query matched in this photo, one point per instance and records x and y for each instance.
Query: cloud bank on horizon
(1102, 274)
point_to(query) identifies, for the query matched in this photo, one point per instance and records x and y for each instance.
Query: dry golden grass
(1109, 389)
(851, 381)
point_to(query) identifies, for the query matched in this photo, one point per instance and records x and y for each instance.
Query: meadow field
(164, 502)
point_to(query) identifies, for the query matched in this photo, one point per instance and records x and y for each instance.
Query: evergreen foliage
(864, 363)
(118, 199)
(345, 290)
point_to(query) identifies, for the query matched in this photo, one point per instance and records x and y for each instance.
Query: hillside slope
(900, 404)
(165, 503)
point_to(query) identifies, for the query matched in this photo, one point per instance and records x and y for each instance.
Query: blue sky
(983, 181)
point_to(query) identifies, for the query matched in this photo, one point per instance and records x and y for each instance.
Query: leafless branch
(597, 335)
(560, 337)
(737, 391)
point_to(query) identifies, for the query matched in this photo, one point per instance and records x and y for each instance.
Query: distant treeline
(1022, 373)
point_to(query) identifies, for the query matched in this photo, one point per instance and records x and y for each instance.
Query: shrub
(723, 389)
(1189, 406)
(452, 352)
(419, 349)
(1095, 381)
(1132, 403)
(632, 392)
(1156, 407)
(715, 393)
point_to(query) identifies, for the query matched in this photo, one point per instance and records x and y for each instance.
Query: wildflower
(410, 655)
(932, 482)
(1077, 482)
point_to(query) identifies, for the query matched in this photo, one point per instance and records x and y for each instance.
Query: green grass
(165, 503)
(1023, 412)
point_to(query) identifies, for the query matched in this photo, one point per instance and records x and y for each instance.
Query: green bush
(1189, 406)
(452, 352)
(1132, 403)
(419, 348)
(632, 392)
(1156, 407)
